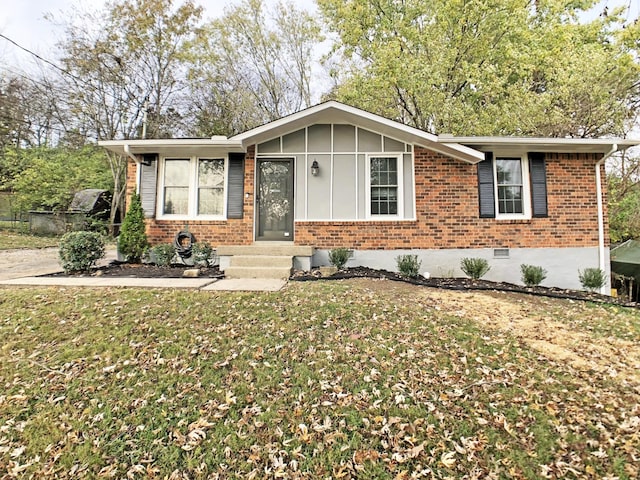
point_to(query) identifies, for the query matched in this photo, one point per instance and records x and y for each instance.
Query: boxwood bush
(202, 254)
(79, 251)
(162, 254)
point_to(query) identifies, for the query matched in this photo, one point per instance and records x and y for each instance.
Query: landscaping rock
(191, 273)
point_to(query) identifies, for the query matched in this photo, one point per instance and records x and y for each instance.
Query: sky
(23, 21)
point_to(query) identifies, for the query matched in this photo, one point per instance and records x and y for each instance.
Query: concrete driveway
(30, 263)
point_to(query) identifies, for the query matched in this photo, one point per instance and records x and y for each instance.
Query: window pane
(211, 173)
(384, 186)
(176, 173)
(210, 201)
(176, 200)
(510, 187)
(384, 200)
(176, 183)
(509, 171)
(510, 199)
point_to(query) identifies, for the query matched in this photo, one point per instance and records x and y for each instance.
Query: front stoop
(262, 260)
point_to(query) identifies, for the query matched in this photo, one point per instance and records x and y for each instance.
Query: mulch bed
(121, 269)
(143, 270)
(465, 284)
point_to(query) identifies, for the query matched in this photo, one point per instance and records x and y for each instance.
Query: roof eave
(336, 112)
(172, 146)
(555, 145)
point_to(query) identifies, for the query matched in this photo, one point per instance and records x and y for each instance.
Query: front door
(275, 199)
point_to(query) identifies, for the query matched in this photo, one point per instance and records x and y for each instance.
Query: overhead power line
(63, 70)
(39, 57)
(89, 86)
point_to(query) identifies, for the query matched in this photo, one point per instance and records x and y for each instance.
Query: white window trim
(526, 187)
(193, 189)
(400, 162)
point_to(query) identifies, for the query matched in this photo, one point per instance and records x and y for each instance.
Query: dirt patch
(606, 356)
(532, 320)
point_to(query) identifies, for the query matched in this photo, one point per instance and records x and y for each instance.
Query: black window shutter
(537, 171)
(486, 194)
(235, 192)
(148, 183)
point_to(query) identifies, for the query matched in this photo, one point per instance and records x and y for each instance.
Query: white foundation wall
(562, 264)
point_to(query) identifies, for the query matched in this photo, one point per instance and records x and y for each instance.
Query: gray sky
(23, 21)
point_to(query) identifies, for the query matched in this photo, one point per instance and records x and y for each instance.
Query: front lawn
(11, 238)
(344, 379)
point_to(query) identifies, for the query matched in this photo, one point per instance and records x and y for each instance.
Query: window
(384, 185)
(513, 186)
(193, 187)
(510, 185)
(176, 187)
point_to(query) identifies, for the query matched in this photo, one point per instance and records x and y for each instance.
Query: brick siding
(216, 232)
(447, 213)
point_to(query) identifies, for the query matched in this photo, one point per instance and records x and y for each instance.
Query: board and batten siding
(338, 192)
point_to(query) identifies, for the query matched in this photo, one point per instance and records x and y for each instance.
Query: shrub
(132, 242)
(474, 268)
(532, 275)
(592, 279)
(408, 265)
(162, 254)
(79, 251)
(338, 257)
(202, 253)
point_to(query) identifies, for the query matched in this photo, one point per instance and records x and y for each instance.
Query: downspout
(601, 249)
(127, 150)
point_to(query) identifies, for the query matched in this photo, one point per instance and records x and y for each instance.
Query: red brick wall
(447, 213)
(220, 232)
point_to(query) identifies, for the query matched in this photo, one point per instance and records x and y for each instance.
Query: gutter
(601, 249)
(129, 154)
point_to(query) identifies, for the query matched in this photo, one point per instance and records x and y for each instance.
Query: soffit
(549, 145)
(200, 147)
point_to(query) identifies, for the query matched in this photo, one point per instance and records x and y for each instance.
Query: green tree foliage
(126, 65)
(252, 67)
(486, 68)
(623, 196)
(49, 177)
(133, 242)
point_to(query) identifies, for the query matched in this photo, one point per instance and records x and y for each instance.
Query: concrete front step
(258, 272)
(261, 261)
(266, 248)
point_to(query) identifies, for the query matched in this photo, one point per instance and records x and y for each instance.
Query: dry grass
(349, 379)
(14, 238)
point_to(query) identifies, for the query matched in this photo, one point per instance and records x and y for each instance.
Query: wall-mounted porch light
(315, 168)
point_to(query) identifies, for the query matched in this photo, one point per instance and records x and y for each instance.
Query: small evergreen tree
(474, 268)
(338, 257)
(132, 242)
